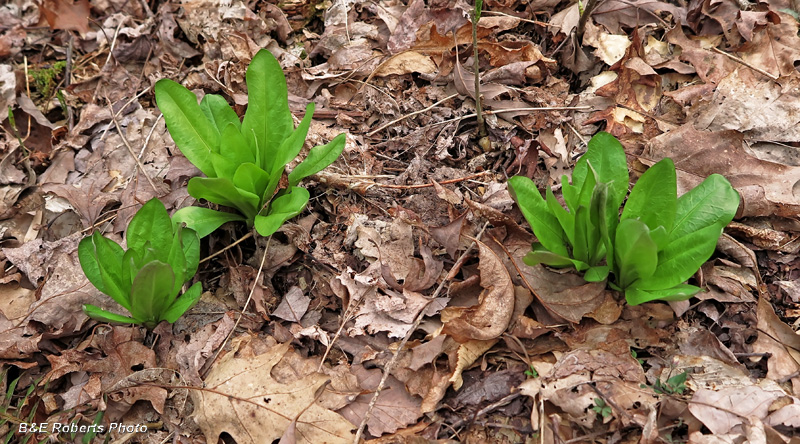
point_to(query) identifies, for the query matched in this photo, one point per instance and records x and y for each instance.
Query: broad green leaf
(636, 296)
(251, 178)
(101, 315)
(234, 147)
(191, 250)
(587, 188)
(607, 157)
(565, 219)
(653, 199)
(131, 263)
(712, 202)
(292, 145)
(660, 237)
(636, 253)
(682, 258)
(221, 191)
(192, 132)
(281, 209)
(544, 224)
(150, 223)
(570, 193)
(223, 166)
(150, 293)
(218, 112)
(89, 263)
(597, 273)
(183, 303)
(267, 121)
(109, 256)
(204, 220)
(318, 159)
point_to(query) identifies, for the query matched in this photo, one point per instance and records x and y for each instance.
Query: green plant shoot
(147, 278)
(243, 160)
(656, 244)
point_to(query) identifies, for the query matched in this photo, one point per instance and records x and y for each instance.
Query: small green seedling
(601, 408)
(146, 278)
(656, 244)
(531, 371)
(243, 160)
(675, 385)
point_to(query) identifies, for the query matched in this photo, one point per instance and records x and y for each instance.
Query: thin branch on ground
(743, 62)
(238, 241)
(130, 149)
(400, 119)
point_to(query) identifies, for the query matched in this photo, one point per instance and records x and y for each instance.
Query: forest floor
(411, 240)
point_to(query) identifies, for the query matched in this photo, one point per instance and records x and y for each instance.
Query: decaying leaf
(241, 399)
(490, 318)
(394, 409)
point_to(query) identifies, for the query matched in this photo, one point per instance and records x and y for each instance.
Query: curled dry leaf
(242, 400)
(490, 318)
(566, 294)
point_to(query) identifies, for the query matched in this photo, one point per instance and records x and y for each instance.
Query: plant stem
(476, 68)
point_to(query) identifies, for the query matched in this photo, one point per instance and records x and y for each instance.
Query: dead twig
(238, 241)
(739, 60)
(128, 146)
(390, 365)
(400, 119)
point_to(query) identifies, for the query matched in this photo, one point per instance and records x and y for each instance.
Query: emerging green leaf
(194, 134)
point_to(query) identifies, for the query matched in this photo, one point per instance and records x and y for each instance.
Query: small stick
(128, 146)
(382, 127)
(390, 365)
(737, 59)
(240, 240)
(428, 185)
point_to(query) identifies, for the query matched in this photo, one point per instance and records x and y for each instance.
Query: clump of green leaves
(601, 408)
(531, 371)
(44, 78)
(243, 161)
(147, 278)
(572, 237)
(675, 385)
(12, 413)
(658, 241)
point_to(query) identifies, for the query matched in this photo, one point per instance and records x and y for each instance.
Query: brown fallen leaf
(780, 341)
(67, 15)
(725, 409)
(490, 318)
(406, 63)
(394, 409)
(766, 188)
(293, 306)
(242, 400)
(731, 107)
(565, 294)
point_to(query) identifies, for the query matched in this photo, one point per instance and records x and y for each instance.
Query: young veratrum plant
(573, 237)
(243, 161)
(658, 241)
(146, 278)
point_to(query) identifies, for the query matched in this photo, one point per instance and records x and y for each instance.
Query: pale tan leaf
(242, 400)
